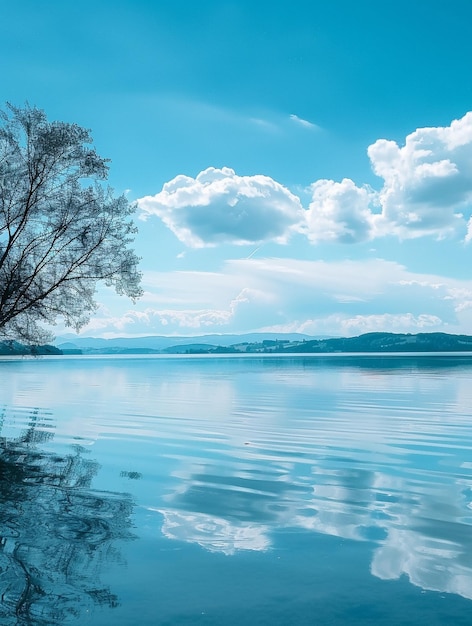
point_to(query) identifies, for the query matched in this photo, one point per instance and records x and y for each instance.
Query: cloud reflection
(429, 562)
(411, 534)
(215, 534)
(397, 482)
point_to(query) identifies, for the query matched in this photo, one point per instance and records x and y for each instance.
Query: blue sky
(298, 166)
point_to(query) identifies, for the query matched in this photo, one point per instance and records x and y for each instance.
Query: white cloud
(468, 236)
(427, 190)
(161, 321)
(218, 206)
(305, 123)
(388, 322)
(427, 181)
(289, 295)
(345, 325)
(339, 212)
(189, 308)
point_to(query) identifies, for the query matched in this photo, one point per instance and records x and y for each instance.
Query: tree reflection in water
(56, 533)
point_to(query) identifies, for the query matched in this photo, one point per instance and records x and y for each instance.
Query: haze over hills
(159, 343)
(263, 343)
(270, 343)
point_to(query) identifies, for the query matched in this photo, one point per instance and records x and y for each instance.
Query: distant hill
(387, 342)
(95, 345)
(250, 343)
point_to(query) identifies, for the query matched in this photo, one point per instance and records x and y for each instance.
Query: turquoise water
(257, 490)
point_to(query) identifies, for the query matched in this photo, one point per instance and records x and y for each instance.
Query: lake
(271, 490)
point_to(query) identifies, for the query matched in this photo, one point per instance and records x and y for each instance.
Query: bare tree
(61, 229)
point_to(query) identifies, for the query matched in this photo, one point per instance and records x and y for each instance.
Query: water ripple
(228, 456)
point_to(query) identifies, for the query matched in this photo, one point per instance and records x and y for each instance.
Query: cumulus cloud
(427, 181)
(427, 187)
(339, 212)
(426, 190)
(218, 206)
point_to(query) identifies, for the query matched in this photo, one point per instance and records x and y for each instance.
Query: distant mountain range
(387, 342)
(162, 344)
(250, 343)
(270, 343)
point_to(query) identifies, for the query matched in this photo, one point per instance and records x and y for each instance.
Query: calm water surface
(222, 491)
